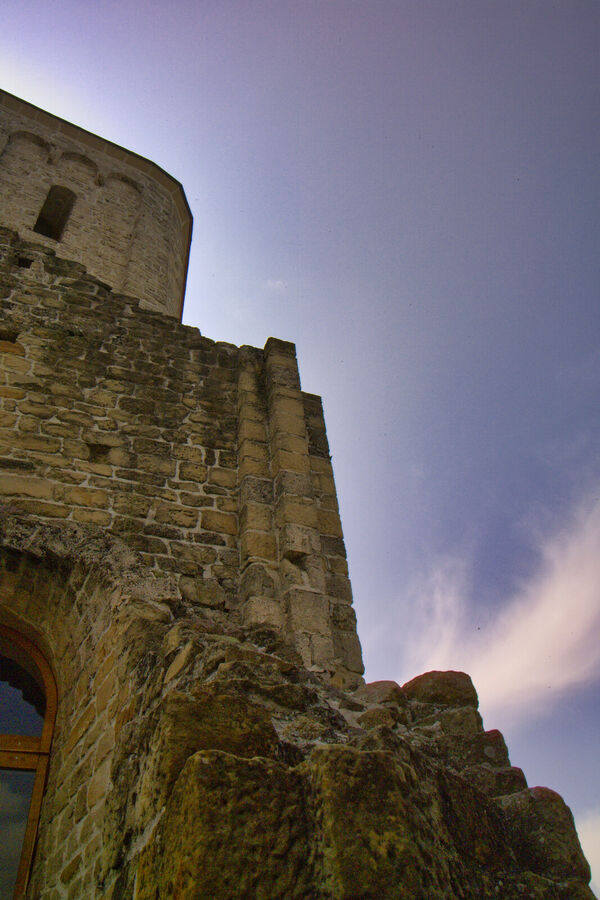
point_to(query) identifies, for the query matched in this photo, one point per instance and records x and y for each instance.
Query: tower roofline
(121, 154)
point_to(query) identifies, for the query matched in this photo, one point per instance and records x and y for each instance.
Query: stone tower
(173, 578)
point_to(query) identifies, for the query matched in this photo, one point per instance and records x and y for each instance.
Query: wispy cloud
(588, 828)
(542, 642)
(276, 285)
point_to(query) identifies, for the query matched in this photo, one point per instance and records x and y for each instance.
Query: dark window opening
(55, 212)
(16, 789)
(29, 703)
(27, 711)
(24, 263)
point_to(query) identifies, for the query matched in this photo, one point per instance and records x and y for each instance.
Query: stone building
(175, 602)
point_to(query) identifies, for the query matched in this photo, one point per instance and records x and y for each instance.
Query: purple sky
(410, 192)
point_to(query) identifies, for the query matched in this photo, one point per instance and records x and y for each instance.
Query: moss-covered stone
(232, 828)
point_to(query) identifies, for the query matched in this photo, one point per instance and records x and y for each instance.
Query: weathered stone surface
(443, 688)
(375, 716)
(551, 851)
(232, 828)
(343, 824)
(495, 782)
(382, 692)
(128, 218)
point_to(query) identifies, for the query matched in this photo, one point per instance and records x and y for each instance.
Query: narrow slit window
(55, 212)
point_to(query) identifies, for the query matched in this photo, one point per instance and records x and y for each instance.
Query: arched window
(27, 713)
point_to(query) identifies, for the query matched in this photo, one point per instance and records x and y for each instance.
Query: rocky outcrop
(259, 780)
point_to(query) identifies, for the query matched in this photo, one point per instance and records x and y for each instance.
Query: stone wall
(207, 459)
(199, 759)
(130, 225)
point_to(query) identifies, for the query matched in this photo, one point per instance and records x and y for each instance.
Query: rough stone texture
(196, 759)
(170, 539)
(444, 688)
(130, 225)
(120, 418)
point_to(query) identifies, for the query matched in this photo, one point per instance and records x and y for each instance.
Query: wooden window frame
(30, 753)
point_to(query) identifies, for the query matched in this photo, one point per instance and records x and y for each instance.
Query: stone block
(193, 471)
(13, 348)
(253, 467)
(322, 651)
(214, 520)
(256, 517)
(258, 544)
(548, 839)
(251, 430)
(290, 443)
(284, 460)
(337, 565)
(348, 649)
(24, 486)
(81, 496)
(296, 510)
(224, 477)
(131, 504)
(297, 541)
(294, 483)
(92, 517)
(343, 616)
(282, 374)
(287, 415)
(307, 612)
(37, 443)
(256, 489)
(259, 610)
(443, 689)
(248, 839)
(323, 483)
(170, 514)
(156, 465)
(257, 580)
(329, 523)
(253, 450)
(338, 586)
(43, 508)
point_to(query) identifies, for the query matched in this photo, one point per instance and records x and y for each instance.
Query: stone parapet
(200, 456)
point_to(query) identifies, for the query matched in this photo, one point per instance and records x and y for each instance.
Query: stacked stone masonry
(206, 459)
(130, 225)
(197, 759)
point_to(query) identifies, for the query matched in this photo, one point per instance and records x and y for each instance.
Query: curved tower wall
(129, 225)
